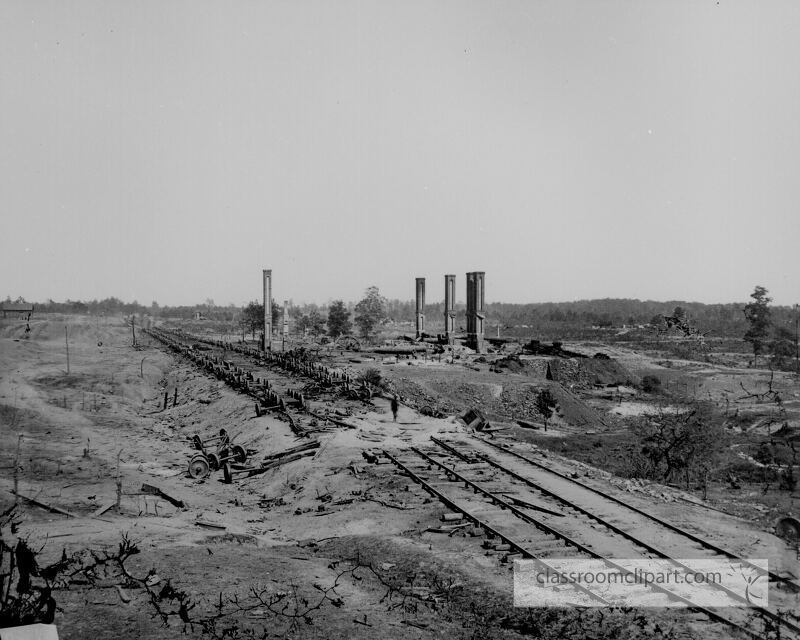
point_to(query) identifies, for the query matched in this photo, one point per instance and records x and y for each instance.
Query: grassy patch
(608, 451)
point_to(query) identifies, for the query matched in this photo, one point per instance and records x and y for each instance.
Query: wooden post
(166, 400)
(66, 342)
(796, 345)
(133, 328)
(119, 484)
(16, 471)
(175, 398)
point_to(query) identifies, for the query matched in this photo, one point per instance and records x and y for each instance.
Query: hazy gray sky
(170, 150)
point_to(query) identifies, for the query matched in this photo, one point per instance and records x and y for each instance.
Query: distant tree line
(544, 320)
(114, 306)
(568, 319)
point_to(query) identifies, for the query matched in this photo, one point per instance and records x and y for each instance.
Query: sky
(169, 151)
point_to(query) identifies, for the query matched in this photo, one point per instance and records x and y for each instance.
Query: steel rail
(545, 527)
(270, 357)
(602, 521)
(705, 543)
(487, 527)
(319, 372)
(503, 504)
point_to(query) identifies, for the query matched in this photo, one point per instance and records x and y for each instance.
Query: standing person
(395, 406)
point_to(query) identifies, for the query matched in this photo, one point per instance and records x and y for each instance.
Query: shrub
(372, 377)
(651, 384)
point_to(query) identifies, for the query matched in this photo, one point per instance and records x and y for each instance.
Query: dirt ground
(327, 519)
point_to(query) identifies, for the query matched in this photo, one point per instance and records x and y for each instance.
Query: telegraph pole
(66, 342)
(796, 344)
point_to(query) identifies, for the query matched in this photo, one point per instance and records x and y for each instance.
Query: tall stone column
(420, 307)
(285, 318)
(476, 315)
(267, 309)
(480, 311)
(470, 304)
(449, 307)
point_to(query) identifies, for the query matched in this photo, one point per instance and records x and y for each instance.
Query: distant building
(198, 315)
(17, 309)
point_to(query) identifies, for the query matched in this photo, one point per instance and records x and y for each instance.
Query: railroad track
(267, 397)
(271, 382)
(504, 532)
(290, 361)
(530, 515)
(597, 497)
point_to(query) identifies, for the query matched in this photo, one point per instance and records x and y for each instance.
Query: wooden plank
(103, 509)
(155, 491)
(44, 505)
(288, 452)
(329, 418)
(449, 528)
(210, 525)
(254, 471)
(282, 461)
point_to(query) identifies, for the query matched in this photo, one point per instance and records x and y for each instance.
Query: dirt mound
(608, 371)
(467, 394)
(572, 409)
(520, 403)
(417, 396)
(500, 397)
(581, 372)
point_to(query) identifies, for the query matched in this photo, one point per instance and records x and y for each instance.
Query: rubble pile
(582, 373)
(416, 396)
(520, 402)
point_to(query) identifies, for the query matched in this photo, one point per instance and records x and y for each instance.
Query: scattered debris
(155, 491)
(452, 517)
(270, 503)
(448, 528)
(123, 595)
(152, 580)
(354, 468)
(210, 525)
(375, 456)
(44, 505)
(103, 509)
(364, 621)
(303, 447)
(474, 419)
(412, 623)
(229, 471)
